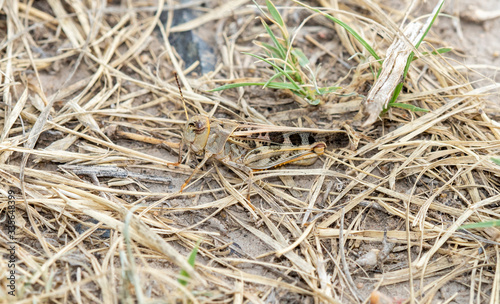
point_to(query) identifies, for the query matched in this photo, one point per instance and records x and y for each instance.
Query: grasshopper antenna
(182, 96)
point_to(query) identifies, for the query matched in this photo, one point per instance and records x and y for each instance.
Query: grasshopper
(253, 147)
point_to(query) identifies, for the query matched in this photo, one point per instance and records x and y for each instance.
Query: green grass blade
(408, 62)
(487, 224)
(345, 26)
(272, 85)
(356, 35)
(303, 60)
(395, 94)
(436, 13)
(327, 90)
(412, 54)
(438, 51)
(297, 87)
(274, 52)
(191, 260)
(258, 7)
(442, 50)
(281, 85)
(408, 107)
(397, 91)
(279, 46)
(274, 13)
(234, 85)
(313, 102)
(496, 160)
(271, 79)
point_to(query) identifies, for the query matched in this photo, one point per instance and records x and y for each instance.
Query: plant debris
(91, 83)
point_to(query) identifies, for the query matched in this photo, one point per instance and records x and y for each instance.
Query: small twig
(345, 267)
(113, 171)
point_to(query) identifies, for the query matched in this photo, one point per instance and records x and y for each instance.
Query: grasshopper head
(196, 133)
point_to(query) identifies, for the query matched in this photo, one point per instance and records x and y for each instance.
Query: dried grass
(82, 83)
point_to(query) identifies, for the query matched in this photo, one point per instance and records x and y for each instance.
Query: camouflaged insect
(252, 147)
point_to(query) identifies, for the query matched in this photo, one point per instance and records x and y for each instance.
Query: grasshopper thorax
(196, 132)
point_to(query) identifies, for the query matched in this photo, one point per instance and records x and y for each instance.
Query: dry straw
(90, 83)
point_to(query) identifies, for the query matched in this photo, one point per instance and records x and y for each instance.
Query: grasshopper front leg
(195, 170)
